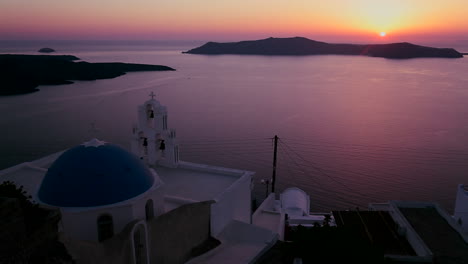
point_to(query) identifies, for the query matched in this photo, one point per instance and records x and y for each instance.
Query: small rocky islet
(46, 50)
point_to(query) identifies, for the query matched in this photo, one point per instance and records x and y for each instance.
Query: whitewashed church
(144, 206)
(147, 206)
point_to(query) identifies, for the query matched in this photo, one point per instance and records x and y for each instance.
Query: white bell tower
(152, 141)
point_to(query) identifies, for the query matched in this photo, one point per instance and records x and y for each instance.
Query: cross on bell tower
(152, 95)
(93, 130)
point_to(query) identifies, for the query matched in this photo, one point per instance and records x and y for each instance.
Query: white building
(291, 210)
(461, 207)
(113, 202)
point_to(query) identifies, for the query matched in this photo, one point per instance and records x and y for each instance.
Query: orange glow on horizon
(231, 19)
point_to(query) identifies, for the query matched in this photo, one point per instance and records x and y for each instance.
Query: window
(149, 210)
(105, 227)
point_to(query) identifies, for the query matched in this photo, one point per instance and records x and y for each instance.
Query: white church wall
(232, 204)
(139, 205)
(158, 198)
(82, 223)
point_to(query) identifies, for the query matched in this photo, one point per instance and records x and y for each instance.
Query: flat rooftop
(378, 227)
(269, 217)
(29, 174)
(195, 184)
(190, 182)
(441, 238)
(240, 243)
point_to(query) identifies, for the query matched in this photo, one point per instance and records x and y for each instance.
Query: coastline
(22, 74)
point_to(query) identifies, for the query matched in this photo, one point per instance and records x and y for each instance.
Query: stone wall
(174, 235)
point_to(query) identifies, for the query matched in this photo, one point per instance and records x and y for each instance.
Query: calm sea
(352, 130)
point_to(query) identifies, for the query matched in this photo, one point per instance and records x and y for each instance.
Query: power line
(306, 142)
(354, 159)
(326, 174)
(381, 172)
(301, 169)
(353, 154)
(323, 173)
(381, 153)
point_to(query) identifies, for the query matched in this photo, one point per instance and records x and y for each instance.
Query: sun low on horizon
(230, 20)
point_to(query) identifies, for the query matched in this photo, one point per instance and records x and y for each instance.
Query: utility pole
(273, 179)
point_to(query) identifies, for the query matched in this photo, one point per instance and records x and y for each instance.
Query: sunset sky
(223, 20)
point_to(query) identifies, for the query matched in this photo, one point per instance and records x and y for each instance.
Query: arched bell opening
(150, 115)
(142, 144)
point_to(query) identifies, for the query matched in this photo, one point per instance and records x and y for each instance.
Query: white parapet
(461, 207)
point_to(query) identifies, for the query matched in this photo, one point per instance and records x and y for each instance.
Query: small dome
(94, 174)
(295, 201)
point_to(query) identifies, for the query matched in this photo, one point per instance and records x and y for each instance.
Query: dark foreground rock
(46, 50)
(24, 73)
(304, 46)
(28, 232)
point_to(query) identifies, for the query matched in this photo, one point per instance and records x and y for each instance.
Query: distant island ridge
(24, 73)
(305, 46)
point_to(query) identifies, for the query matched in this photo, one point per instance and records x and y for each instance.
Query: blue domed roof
(94, 174)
